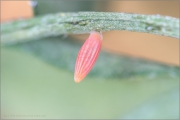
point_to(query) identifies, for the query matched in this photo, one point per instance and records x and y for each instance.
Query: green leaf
(85, 22)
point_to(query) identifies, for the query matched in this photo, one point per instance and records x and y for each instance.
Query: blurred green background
(37, 79)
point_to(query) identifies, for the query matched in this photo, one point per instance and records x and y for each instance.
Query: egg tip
(77, 80)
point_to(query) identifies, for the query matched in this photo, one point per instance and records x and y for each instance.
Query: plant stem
(85, 22)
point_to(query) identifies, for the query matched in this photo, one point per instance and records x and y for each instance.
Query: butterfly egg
(87, 56)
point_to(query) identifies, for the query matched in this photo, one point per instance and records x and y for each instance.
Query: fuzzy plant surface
(85, 22)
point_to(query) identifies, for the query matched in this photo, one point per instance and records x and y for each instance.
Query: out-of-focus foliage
(30, 86)
(46, 7)
(62, 53)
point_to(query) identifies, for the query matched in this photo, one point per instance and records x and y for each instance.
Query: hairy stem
(85, 22)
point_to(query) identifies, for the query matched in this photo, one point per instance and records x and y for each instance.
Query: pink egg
(87, 56)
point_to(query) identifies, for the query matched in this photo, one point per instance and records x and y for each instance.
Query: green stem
(85, 22)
